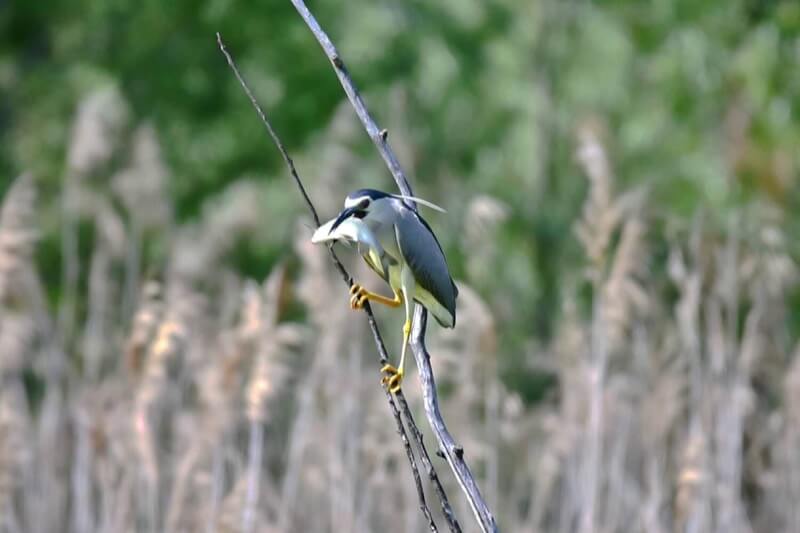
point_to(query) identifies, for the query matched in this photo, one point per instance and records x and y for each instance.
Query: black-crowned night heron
(398, 244)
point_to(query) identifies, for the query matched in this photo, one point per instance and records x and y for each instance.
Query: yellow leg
(360, 295)
(394, 376)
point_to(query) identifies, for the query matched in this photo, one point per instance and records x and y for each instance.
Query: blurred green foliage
(494, 93)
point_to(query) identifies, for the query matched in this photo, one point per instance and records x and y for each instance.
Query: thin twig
(349, 280)
(452, 451)
(268, 125)
(428, 465)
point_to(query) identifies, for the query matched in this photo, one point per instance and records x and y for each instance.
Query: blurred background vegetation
(699, 100)
(695, 105)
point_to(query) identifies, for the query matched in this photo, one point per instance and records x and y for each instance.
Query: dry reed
(202, 407)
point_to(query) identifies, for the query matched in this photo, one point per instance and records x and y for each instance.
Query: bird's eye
(363, 204)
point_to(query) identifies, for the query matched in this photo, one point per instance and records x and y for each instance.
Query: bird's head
(360, 207)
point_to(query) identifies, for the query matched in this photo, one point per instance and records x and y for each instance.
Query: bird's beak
(341, 227)
(344, 215)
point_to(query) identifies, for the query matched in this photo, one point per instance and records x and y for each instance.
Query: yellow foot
(358, 296)
(392, 379)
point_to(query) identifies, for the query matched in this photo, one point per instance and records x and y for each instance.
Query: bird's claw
(358, 296)
(393, 378)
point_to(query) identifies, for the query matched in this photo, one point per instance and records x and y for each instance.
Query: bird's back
(424, 256)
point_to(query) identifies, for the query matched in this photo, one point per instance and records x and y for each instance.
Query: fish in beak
(350, 230)
(342, 228)
(323, 233)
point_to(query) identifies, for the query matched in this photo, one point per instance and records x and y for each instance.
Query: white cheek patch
(348, 202)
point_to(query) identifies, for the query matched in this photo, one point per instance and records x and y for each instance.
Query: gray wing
(425, 257)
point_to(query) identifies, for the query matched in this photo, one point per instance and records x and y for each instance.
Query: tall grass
(192, 402)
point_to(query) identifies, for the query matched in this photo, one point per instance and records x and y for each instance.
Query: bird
(399, 245)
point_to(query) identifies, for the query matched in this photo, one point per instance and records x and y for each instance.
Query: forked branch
(372, 324)
(452, 451)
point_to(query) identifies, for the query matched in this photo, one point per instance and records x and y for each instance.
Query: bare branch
(452, 451)
(370, 317)
(377, 135)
